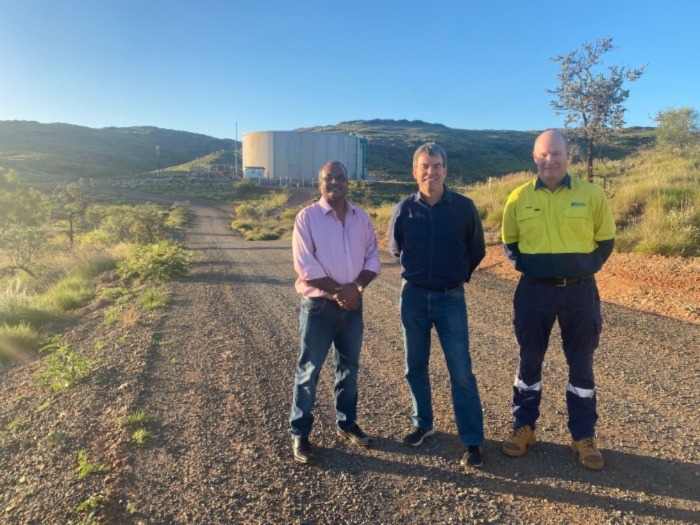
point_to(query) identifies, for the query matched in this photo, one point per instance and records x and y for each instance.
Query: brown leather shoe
(518, 442)
(302, 450)
(588, 454)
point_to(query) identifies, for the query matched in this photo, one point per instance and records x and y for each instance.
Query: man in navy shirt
(437, 237)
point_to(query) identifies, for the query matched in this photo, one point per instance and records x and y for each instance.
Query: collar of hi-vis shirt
(566, 181)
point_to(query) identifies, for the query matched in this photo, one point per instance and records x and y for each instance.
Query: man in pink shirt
(335, 257)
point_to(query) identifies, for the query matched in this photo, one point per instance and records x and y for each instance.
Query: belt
(436, 288)
(557, 281)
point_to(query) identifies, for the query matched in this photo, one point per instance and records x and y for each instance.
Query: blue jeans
(323, 323)
(447, 312)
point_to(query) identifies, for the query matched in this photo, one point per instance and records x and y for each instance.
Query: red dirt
(667, 286)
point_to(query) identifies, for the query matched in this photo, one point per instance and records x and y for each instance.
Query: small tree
(678, 128)
(590, 99)
(19, 204)
(20, 244)
(71, 201)
(22, 215)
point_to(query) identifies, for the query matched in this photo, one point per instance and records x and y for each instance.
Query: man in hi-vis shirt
(558, 231)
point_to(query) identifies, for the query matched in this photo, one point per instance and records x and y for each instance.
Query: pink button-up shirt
(324, 247)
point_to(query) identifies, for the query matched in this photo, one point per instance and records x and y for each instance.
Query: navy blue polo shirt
(439, 245)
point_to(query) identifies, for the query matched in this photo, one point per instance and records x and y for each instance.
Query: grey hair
(432, 150)
(321, 173)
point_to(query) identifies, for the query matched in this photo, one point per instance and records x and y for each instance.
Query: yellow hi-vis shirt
(558, 233)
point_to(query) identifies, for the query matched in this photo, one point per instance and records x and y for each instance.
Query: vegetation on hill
(52, 152)
(473, 155)
(215, 158)
(49, 152)
(654, 194)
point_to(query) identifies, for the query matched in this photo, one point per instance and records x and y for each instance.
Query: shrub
(157, 262)
(98, 238)
(242, 226)
(247, 211)
(91, 508)
(244, 189)
(262, 236)
(179, 215)
(141, 224)
(289, 214)
(114, 293)
(63, 367)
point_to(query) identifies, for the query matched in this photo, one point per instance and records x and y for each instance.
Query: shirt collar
(446, 196)
(566, 181)
(327, 208)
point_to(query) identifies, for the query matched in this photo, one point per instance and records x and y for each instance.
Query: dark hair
(432, 150)
(335, 163)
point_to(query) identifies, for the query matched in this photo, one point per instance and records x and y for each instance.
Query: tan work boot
(521, 438)
(588, 454)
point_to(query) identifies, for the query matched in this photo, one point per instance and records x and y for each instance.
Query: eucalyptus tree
(70, 201)
(23, 216)
(592, 99)
(678, 128)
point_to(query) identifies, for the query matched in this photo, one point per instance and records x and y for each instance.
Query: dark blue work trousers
(577, 308)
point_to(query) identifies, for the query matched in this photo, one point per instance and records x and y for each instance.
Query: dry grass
(654, 194)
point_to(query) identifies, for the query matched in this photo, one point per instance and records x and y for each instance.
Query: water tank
(299, 155)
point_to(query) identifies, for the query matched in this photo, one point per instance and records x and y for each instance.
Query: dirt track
(215, 373)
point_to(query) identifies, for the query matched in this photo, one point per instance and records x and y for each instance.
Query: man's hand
(348, 297)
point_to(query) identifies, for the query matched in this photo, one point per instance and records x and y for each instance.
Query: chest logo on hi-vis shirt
(573, 203)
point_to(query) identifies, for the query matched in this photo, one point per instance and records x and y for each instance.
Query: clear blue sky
(278, 65)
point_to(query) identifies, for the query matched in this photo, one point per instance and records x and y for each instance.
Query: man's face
(552, 158)
(333, 183)
(430, 173)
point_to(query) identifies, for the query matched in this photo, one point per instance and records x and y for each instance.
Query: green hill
(472, 154)
(42, 152)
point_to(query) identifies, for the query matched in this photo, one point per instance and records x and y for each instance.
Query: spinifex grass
(18, 341)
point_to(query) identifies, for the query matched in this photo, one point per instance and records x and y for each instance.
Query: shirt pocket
(577, 226)
(530, 229)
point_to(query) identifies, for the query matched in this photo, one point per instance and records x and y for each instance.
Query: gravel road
(215, 373)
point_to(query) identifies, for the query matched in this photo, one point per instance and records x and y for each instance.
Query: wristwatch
(359, 286)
